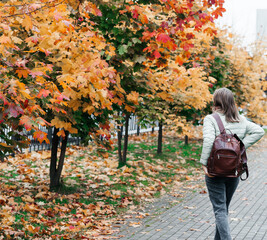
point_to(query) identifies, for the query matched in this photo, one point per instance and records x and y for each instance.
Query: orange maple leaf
(22, 73)
(179, 60)
(41, 136)
(144, 18)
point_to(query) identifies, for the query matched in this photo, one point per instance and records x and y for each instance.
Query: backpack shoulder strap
(219, 122)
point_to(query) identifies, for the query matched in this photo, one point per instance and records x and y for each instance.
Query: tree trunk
(159, 150)
(119, 132)
(53, 162)
(186, 140)
(125, 143)
(138, 130)
(56, 165)
(49, 135)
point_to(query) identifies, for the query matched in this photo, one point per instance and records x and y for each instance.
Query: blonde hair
(224, 102)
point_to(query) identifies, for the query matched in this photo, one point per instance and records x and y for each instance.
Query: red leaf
(3, 99)
(187, 46)
(135, 14)
(162, 37)
(26, 103)
(147, 49)
(43, 93)
(157, 54)
(218, 12)
(148, 35)
(190, 36)
(211, 1)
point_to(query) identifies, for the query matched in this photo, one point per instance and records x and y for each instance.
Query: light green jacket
(247, 131)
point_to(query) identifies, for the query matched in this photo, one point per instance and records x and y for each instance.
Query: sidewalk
(193, 218)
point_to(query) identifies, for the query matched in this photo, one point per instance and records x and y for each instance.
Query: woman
(221, 189)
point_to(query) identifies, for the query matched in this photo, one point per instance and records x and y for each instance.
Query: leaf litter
(95, 196)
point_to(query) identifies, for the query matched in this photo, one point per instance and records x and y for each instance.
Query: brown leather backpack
(228, 155)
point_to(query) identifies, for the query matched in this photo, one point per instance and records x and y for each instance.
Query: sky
(241, 16)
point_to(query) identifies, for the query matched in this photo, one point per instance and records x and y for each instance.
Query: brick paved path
(193, 217)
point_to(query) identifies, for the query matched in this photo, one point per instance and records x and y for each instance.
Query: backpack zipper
(226, 156)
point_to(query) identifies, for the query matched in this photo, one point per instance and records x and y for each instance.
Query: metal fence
(35, 145)
(136, 129)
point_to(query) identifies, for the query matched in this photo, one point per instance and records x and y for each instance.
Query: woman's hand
(206, 171)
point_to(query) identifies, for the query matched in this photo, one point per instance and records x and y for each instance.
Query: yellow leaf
(7, 220)
(133, 97)
(27, 199)
(129, 108)
(212, 79)
(165, 96)
(31, 229)
(41, 195)
(88, 108)
(17, 40)
(74, 4)
(61, 133)
(62, 124)
(30, 208)
(27, 23)
(107, 193)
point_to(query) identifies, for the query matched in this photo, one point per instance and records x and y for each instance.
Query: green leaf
(122, 49)
(136, 40)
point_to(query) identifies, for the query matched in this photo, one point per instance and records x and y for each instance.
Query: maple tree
(116, 26)
(71, 77)
(198, 77)
(178, 83)
(64, 58)
(161, 27)
(22, 72)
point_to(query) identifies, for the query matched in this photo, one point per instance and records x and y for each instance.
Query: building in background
(247, 19)
(261, 24)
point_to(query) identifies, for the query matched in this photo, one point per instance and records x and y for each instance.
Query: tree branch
(45, 6)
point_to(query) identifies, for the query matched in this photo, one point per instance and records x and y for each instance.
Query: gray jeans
(221, 190)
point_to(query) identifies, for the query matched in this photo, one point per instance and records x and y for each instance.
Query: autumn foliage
(73, 65)
(84, 67)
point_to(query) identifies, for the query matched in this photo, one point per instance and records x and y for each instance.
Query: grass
(172, 149)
